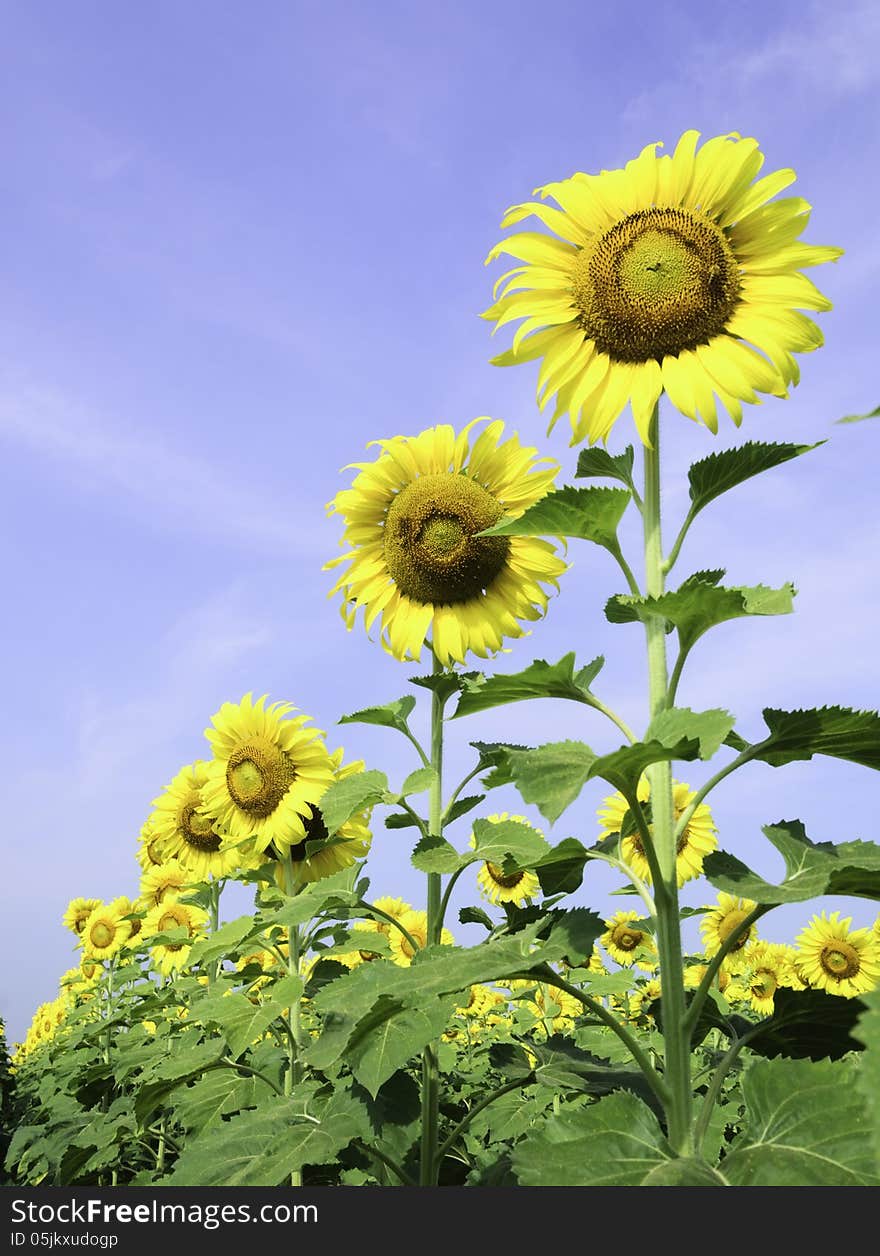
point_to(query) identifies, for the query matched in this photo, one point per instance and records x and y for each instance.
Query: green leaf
(712, 476)
(596, 462)
(561, 870)
(417, 782)
(173, 1071)
(615, 1142)
(868, 1081)
(551, 777)
(837, 731)
(462, 806)
(219, 1093)
(355, 793)
(443, 684)
(811, 868)
(435, 854)
(709, 728)
(699, 605)
(574, 931)
(476, 916)
(684, 1172)
(493, 754)
(587, 514)
(390, 1034)
(224, 941)
(391, 715)
(806, 1125)
(503, 841)
(808, 1024)
(539, 680)
(240, 1021)
(263, 1146)
(860, 418)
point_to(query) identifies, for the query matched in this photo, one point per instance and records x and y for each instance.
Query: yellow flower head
(105, 932)
(183, 831)
(78, 912)
(676, 274)
(168, 915)
(726, 919)
(833, 957)
(268, 771)
(150, 852)
(763, 972)
(164, 881)
(515, 887)
(415, 562)
(697, 839)
(416, 925)
(627, 945)
(311, 862)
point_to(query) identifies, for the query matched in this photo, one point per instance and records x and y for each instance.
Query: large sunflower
(415, 560)
(833, 957)
(312, 861)
(268, 771)
(699, 837)
(673, 274)
(184, 832)
(105, 932)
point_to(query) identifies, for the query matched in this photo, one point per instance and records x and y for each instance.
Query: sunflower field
(329, 1036)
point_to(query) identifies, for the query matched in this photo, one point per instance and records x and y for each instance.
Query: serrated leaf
(263, 1146)
(551, 776)
(352, 794)
(435, 854)
(240, 1022)
(806, 1125)
(203, 1105)
(698, 606)
(174, 1071)
(598, 463)
(561, 870)
(840, 732)
(417, 782)
(709, 728)
(587, 514)
(392, 715)
(513, 841)
(475, 916)
(867, 1031)
(539, 680)
(443, 684)
(224, 941)
(493, 754)
(808, 1024)
(462, 806)
(860, 418)
(714, 475)
(811, 868)
(615, 1142)
(574, 931)
(390, 1034)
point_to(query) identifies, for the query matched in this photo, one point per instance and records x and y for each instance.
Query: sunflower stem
(429, 1167)
(676, 1037)
(214, 908)
(292, 1076)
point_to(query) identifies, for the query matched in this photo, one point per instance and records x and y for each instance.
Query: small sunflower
(78, 912)
(182, 831)
(764, 972)
(833, 957)
(416, 560)
(694, 974)
(675, 274)
(516, 887)
(163, 918)
(558, 1007)
(166, 880)
(149, 852)
(643, 996)
(416, 925)
(699, 837)
(105, 932)
(627, 945)
(133, 911)
(350, 843)
(268, 771)
(723, 920)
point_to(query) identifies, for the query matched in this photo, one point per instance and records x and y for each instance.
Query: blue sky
(242, 241)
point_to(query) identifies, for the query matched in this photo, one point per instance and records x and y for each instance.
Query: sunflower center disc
(198, 830)
(497, 875)
(764, 985)
(258, 775)
(626, 939)
(730, 924)
(168, 922)
(431, 548)
(101, 934)
(658, 282)
(840, 959)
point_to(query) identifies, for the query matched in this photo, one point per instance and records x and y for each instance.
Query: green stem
(616, 552)
(386, 1160)
(673, 553)
(377, 913)
(615, 719)
(453, 798)
(519, 1084)
(214, 890)
(638, 884)
(292, 1076)
(715, 963)
(429, 1167)
(745, 757)
(160, 1150)
(450, 886)
(677, 1074)
(714, 1088)
(672, 689)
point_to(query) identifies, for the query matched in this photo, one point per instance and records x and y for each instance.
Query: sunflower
(694, 974)
(149, 851)
(132, 910)
(105, 932)
(416, 560)
(352, 841)
(166, 880)
(549, 1004)
(833, 957)
(183, 831)
(643, 996)
(268, 770)
(675, 274)
(416, 925)
(697, 839)
(165, 917)
(723, 920)
(764, 971)
(627, 945)
(515, 887)
(78, 912)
